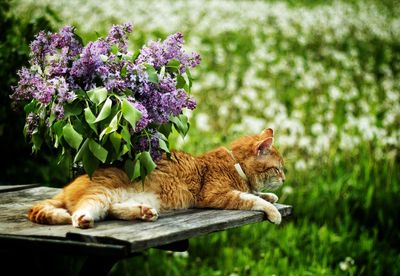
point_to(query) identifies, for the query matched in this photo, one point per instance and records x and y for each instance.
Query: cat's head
(260, 160)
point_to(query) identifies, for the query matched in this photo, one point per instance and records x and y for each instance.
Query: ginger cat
(220, 179)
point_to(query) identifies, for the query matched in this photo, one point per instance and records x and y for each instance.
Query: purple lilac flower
(25, 88)
(167, 84)
(54, 52)
(40, 47)
(66, 39)
(84, 69)
(112, 77)
(32, 86)
(164, 101)
(174, 102)
(153, 102)
(32, 122)
(64, 93)
(149, 141)
(191, 103)
(65, 48)
(118, 35)
(153, 55)
(173, 46)
(159, 54)
(58, 110)
(44, 91)
(194, 60)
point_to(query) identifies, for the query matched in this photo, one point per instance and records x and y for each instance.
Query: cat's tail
(50, 211)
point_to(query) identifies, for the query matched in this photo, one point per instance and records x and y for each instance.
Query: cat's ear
(268, 132)
(264, 146)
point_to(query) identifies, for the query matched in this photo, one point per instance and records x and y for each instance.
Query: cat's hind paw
(148, 213)
(83, 221)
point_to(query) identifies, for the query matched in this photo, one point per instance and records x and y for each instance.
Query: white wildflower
(184, 254)
(287, 190)
(202, 122)
(300, 165)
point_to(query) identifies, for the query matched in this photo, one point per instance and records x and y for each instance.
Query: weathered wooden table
(109, 241)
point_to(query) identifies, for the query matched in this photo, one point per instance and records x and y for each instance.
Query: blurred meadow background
(324, 74)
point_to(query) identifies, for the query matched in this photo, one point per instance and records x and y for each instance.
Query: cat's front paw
(270, 197)
(148, 213)
(83, 221)
(273, 215)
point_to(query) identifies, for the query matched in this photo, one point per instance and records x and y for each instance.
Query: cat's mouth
(268, 180)
(270, 184)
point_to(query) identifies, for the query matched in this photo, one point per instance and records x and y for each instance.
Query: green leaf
(147, 162)
(37, 142)
(189, 75)
(181, 124)
(81, 151)
(73, 138)
(57, 128)
(114, 49)
(90, 119)
(115, 139)
(89, 116)
(151, 71)
(97, 95)
(81, 94)
(124, 150)
(123, 71)
(135, 55)
(79, 126)
(126, 134)
(163, 145)
(129, 168)
(51, 119)
(180, 82)
(98, 151)
(115, 121)
(105, 111)
(165, 129)
(174, 63)
(173, 66)
(136, 172)
(90, 163)
(30, 107)
(113, 126)
(130, 113)
(190, 79)
(72, 109)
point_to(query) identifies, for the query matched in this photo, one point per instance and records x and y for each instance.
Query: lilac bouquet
(103, 104)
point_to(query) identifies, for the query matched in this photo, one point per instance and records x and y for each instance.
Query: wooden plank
(169, 228)
(11, 188)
